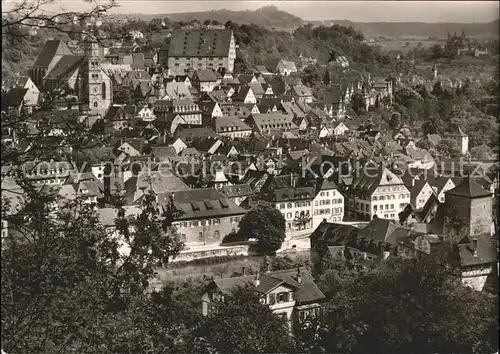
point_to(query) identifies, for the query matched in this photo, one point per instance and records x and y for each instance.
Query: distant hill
(267, 16)
(420, 29)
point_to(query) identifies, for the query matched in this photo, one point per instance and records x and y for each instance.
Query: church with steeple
(57, 69)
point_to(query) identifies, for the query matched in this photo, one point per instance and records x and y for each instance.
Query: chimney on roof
(243, 271)
(474, 247)
(364, 256)
(299, 276)
(257, 281)
(386, 254)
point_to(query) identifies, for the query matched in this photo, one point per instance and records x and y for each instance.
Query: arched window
(103, 89)
(95, 104)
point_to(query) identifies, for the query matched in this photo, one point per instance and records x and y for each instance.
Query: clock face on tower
(95, 90)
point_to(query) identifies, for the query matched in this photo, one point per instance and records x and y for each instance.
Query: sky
(357, 11)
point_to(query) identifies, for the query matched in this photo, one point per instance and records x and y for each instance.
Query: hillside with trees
(267, 16)
(422, 29)
(258, 44)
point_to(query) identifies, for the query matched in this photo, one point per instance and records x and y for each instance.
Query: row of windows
(328, 211)
(322, 194)
(391, 189)
(242, 134)
(201, 58)
(298, 214)
(290, 205)
(196, 223)
(229, 129)
(216, 235)
(188, 108)
(274, 126)
(327, 202)
(387, 207)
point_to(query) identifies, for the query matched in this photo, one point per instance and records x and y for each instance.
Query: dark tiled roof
(335, 234)
(379, 230)
(221, 123)
(206, 76)
(14, 98)
(117, 113)
(485, 252)
(238, 190)
(64, 67)
(48, 52)
(469, 188)
(205, 203)
(305, 292)
(194, 132)
(200, 43)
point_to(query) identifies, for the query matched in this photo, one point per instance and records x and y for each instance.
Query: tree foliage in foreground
(410, 306)
(243, 325)
(266, 224)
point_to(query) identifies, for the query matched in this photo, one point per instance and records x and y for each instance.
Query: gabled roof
(204, 203)
(368, 182)
(242, 93)
(335, 234)
(304, 292)
(200, 132)
(274, 120)
(50, 49)
(200, 42)
(231, 122)
(238, 190)
(117, 113)
(469, 188)
(379, 230)
(206, 76)
(290, 65)
(14, 98)
(65, 67)
(485, 252)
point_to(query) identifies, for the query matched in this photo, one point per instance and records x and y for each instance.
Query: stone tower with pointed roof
(471, 206)
(97, 84)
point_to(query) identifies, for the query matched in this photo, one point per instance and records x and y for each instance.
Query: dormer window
(282, 297)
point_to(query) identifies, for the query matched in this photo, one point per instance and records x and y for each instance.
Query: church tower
(97, 89)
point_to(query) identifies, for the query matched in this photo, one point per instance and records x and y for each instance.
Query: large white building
(377, 192)
(202, 49)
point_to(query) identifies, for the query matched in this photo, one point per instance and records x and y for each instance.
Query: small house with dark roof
(420, 190)
(245, 95)
(290, 294)
(238, 193)
(204, 80)
(232, 127)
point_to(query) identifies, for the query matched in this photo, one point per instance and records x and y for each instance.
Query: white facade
(423, 196)
(293, 210)
(146, 114)
(329, 205)
(475, 276)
